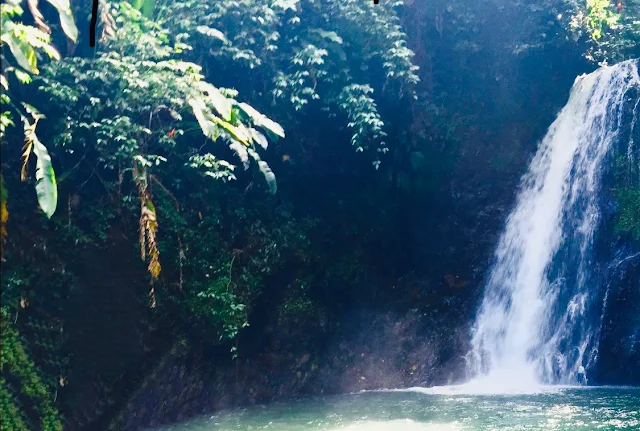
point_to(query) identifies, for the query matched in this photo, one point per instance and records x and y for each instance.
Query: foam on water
(398, 425)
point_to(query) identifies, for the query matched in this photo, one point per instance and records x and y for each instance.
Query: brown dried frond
(37, 16)
(108, 23)
(148, 225)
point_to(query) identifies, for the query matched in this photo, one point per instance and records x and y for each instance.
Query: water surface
(414, 410)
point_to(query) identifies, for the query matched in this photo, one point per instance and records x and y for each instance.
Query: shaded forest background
(338, 242)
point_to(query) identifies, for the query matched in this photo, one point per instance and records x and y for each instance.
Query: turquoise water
(584, 409)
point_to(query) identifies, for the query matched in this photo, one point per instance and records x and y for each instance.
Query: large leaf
(23, 52)
(235, 133)
(241, 151)
(148, 7)
(261, 120)
(218, 100)
(46, 187)
(258, 137)
(66, 18)
(269, 176)
(212, 32)
(208, 128)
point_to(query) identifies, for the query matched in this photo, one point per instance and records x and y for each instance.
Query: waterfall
(533, 326)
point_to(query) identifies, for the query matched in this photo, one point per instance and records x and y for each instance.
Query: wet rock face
(619, 350)
(367, 350)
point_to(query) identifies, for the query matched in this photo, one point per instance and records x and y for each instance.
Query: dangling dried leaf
(28, 147)
(37, 16)
(148, 224)
(4, 214)
(5, 217)
(108, 23)
(152, 295)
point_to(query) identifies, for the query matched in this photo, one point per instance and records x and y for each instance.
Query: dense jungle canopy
(206, 208)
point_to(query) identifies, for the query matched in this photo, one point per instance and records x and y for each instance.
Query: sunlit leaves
(149, 99)
(306, 52)
(23, 52)
(261, 120)
(66, 18)
(23, 41)
(219, 102)
(258, 138)
(364, 119)
(599, 14)
(213, 167)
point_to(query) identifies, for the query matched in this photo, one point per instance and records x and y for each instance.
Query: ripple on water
(401, 424)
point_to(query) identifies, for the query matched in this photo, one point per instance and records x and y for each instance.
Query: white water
(532, 327)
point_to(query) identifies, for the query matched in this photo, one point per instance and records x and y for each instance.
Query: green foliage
(12, 418)
(305, 51)
(628, 218)
(216, 302)
(363, 118)
(143, 100)
(136, 126)
(66, 17)
(613, 28)
(17, 364)
(600, 14)
(24, 41)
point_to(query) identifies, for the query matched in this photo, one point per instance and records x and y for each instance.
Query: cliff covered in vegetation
(244, 201)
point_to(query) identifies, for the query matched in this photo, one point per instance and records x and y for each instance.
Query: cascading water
(532, 327)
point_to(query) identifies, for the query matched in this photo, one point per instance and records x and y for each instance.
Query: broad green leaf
(258, 137)
(4, 83)
(24, 53)
(272, 126)
(330, 35)
(217, 99)
(269, 176)
(22, 76)
(148, 7)
(211, 32)
(241, 151)
(208, 128)
(46, 187)
(66, 18)
(235, 133)
(261, 120)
